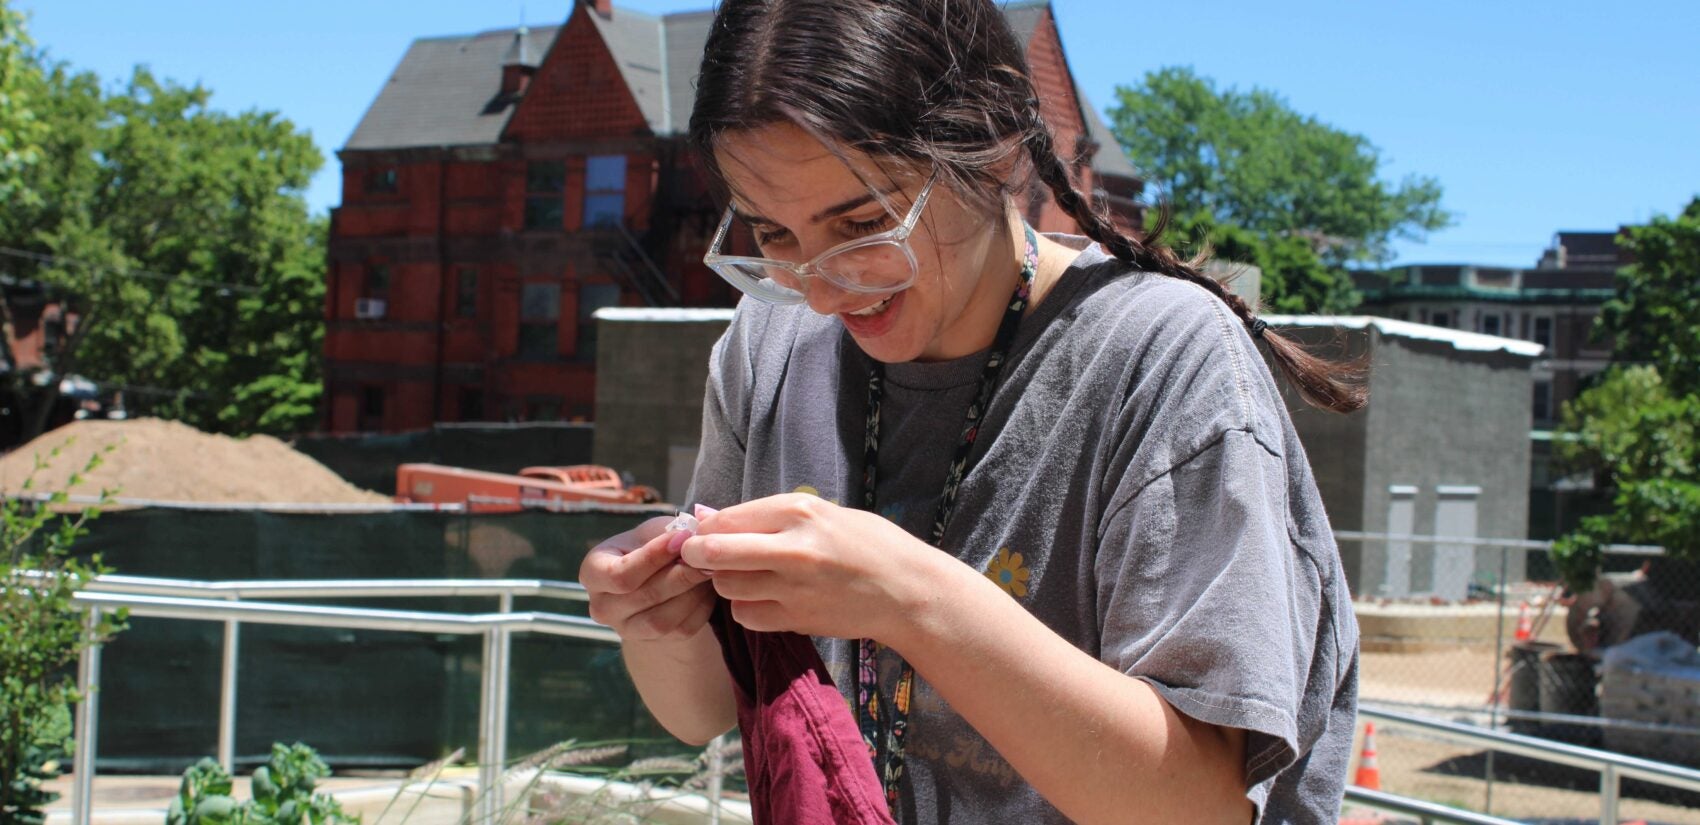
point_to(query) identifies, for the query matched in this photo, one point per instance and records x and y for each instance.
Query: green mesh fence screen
(359, 697)
(369, 460)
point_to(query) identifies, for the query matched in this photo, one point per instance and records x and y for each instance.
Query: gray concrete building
(1442, 448)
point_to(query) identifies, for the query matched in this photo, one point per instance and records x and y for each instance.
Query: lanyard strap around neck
(883, 730)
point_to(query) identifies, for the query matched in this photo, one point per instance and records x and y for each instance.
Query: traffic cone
(1369, 773)
(1525, 627)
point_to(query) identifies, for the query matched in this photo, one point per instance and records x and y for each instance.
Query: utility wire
(44, 259)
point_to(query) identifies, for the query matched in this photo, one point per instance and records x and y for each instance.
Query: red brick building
(505, 185)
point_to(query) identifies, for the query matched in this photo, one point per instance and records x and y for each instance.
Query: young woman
(1037, 500)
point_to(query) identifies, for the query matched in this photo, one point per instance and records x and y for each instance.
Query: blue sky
(1535, 116)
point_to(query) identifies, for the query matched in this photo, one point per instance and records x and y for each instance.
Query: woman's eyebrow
(825, 214)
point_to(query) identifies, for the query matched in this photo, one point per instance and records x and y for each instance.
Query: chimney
(518, 65)
(605, 8)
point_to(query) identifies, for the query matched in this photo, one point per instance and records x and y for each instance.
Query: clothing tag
(684, 523)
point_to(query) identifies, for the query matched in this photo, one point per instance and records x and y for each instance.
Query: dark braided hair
(941, 85)
(1321, 382)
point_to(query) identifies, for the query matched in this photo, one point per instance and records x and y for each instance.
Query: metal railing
(1612, 767)
(1479, 541)
(1427, 813)
(222, 601)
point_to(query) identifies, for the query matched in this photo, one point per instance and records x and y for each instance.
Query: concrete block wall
(651, 368)
(1439, 418)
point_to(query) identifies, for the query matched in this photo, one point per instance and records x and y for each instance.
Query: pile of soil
(170, 461)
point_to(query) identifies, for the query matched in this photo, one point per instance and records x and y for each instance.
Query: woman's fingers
(618, 610)
(676, 618)
(761, 616)
(738, 551)
(636, 537)
(607, 569)
(763, 515)
(749, 585)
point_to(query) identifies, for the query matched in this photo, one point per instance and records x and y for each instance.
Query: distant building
(505, 185)
(1552, 304)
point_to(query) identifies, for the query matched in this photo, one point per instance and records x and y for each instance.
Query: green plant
(1635, 430)
(41, 634)
(283, 793)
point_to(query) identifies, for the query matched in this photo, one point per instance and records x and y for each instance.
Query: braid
(1336, 387)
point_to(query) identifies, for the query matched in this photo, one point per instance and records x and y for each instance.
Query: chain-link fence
(1615, 668)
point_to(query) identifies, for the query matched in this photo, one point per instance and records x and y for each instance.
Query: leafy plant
(41, 634)
(283, 793)
(1636, 429)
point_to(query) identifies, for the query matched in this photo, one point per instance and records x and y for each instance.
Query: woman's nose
(826, 299)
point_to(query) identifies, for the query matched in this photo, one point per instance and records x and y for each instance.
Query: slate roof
(441, 94)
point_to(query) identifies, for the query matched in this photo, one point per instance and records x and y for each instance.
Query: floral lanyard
(887, 751)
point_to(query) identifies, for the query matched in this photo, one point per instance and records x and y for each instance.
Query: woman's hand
(638, 587)
(800, 563)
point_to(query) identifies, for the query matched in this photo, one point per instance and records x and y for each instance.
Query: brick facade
(462, 275)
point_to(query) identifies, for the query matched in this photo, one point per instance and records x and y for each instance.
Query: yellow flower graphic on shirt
(1009, 573)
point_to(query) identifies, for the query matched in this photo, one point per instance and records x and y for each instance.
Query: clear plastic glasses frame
(885, 256)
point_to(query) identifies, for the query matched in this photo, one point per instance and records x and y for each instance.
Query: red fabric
(803, 755)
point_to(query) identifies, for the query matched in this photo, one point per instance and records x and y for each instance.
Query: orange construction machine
(484, 492)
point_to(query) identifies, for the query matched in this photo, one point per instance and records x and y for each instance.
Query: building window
(471, 404)
(371, 408)
(377, 281)
(604, 190)
(539, 321)
(545, 181)
(592, 297)
(381, 181)
(466, 294)
(1402, 315)
(1543, 401)
(1543, 332)
(1490, 324)
(1440, 319)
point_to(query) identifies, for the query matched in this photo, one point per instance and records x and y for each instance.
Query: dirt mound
(170, 461)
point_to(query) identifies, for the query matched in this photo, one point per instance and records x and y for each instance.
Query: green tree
(178, 238)
(1246, 159)
(20, 130)
(1295, 278)
(1636, 428)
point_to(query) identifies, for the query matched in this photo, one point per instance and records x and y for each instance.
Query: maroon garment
(803, 756)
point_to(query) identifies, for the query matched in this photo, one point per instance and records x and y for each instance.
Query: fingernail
(703, 511)
(676, 542)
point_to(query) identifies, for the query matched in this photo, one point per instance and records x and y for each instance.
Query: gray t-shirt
(1137, 485)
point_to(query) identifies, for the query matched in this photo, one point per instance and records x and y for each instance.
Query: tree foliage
(1247, 159)
(1295, 278)
(20, 130)
(41, 634)
(1636, 428)
(179, 239)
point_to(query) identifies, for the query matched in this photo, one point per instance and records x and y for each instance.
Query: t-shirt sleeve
(1201, 594)
(717, 480)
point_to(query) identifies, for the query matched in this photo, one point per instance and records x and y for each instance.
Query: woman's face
(793, 193)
